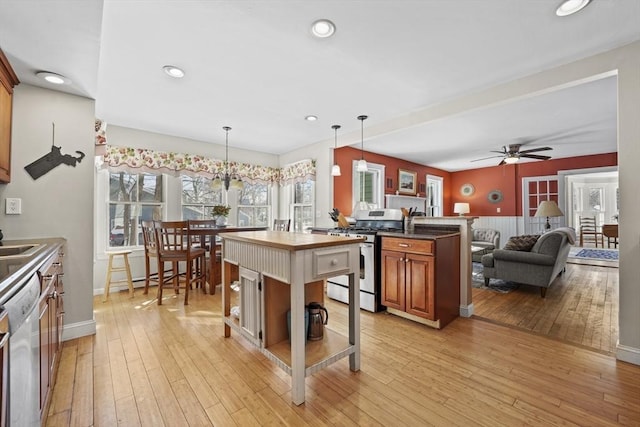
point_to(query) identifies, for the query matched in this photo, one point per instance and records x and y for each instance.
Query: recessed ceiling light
(569, 7)
(173, 71)
(54, 78)
(323, 28)
(311, 118)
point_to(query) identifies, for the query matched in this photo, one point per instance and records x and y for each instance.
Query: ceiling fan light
(511, 160)
(569, 7)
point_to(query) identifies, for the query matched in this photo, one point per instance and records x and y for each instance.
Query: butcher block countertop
(289, 241)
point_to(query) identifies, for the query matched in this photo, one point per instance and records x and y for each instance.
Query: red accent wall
(505, 178)
(344, 156)
(508, 179)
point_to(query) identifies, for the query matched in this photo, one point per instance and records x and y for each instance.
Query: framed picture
(407, 181)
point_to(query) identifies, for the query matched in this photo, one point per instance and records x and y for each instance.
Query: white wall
(60, 203)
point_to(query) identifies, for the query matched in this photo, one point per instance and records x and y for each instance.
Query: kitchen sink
(15, 251)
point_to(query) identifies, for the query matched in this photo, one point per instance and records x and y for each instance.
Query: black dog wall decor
(52, 159)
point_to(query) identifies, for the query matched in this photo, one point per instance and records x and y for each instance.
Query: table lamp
(548, 208)
(461, 208)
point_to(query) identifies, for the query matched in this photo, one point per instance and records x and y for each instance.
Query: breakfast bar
(271, 264)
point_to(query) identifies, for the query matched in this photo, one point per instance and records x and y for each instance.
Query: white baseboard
(80, 329)
(628, 354)
(466, 310)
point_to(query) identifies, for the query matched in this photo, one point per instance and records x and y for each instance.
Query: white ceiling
(254, 66)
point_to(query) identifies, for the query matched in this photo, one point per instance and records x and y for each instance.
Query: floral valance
(140, 160)
(298, 172)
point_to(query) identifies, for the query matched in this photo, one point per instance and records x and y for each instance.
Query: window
(302, 206)
(254, 206)
(132, 198)
(198, 198)
(369, 186)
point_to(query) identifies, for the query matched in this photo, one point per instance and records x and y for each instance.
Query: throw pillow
(522, 243)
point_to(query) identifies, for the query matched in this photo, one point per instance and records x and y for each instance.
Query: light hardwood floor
(169, 365)
(580, 307)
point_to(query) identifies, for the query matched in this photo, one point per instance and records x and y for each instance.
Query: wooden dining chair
(589, 231)
(204, 241)
(150, 251)
(174, 245)
(281, 224)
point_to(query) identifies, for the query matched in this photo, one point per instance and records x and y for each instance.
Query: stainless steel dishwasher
(24, 355)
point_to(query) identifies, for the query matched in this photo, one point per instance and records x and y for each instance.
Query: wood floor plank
(170, 365)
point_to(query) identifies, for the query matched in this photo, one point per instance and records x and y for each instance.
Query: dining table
(211, 241)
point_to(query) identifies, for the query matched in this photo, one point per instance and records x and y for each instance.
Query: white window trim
(379, 195)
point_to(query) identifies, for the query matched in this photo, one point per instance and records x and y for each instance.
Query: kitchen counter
(16, 269)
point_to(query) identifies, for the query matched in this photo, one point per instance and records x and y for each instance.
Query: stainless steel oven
(368, 223)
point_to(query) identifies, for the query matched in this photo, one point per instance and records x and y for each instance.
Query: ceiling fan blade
(502, 163)
(533, 150)
(490, 157)
(535, 156)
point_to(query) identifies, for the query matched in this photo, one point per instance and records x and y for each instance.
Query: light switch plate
(14, 206)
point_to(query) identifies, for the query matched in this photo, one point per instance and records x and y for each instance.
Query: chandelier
(229, 181)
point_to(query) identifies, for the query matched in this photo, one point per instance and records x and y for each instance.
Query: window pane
(303, 192)
(151, 190)
(122, 187)
(197, 190)
(255, 217)
(254, 194)
(303, 218)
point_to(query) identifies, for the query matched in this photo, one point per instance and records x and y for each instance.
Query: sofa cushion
(522, 243)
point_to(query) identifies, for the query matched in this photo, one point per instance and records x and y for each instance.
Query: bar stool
(124, 267)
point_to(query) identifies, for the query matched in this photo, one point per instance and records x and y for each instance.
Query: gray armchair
(486, 238)
(538, 267)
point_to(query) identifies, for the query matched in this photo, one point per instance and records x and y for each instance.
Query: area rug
(598, 254)
(588, 256)
(496, 285)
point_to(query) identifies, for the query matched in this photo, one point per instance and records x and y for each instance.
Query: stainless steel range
(368, 224)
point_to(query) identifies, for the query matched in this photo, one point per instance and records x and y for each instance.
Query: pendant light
(335, 169)
(362, 163)
(225, 179)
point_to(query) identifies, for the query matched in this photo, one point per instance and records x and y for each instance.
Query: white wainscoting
(507, 225)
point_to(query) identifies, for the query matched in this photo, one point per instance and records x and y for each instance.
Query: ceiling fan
(511, 154)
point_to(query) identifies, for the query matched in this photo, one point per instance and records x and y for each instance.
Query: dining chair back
(590, 232)
(150, 251)
(174, 245)
(281, 224)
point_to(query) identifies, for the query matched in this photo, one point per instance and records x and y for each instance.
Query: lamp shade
(461, 208)
(548, 208)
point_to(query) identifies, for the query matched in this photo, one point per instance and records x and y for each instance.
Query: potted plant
(219, 213)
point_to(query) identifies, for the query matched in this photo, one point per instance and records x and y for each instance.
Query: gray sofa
(538, 267)
(486, 238)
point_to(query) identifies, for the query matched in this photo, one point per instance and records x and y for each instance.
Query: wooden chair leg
(160, 280)
(543, 292)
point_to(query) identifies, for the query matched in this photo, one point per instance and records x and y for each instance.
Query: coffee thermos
(316, 320)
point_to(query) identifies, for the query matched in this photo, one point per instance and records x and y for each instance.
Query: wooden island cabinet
(8, 80)
(278, 272)
(420, 277)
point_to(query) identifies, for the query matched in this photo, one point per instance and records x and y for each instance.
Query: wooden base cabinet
(420, 278)
(51, 324)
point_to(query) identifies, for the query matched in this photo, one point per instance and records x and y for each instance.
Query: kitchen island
(280, 271)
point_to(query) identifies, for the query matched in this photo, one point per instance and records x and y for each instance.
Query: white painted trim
(80, 329)
(628, 354)
(466, 310)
